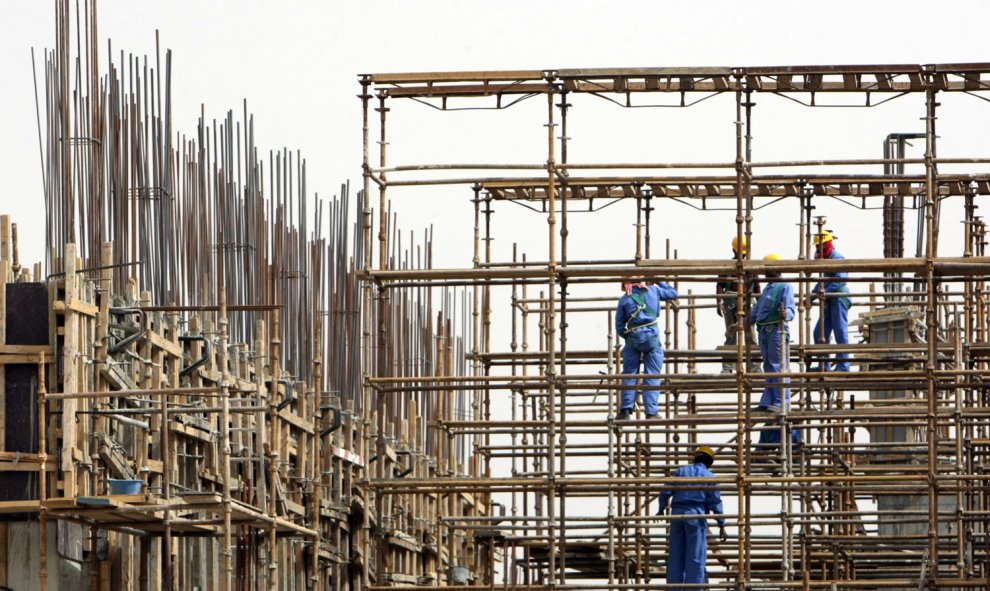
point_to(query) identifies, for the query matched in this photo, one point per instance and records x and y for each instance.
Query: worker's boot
(622, 416)
(728, 368)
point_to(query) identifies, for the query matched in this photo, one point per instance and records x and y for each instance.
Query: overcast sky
(297, 62)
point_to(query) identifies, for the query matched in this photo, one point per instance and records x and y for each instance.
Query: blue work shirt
(698, 497)
(834, 286)
(767, 308)
(660, 292)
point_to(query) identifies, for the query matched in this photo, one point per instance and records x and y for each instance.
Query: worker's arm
(719, 291)
(757, 313)
(837, 275)
(790, 309)
(713, 503)
(621, 317)
(665, 495)
(665, 291)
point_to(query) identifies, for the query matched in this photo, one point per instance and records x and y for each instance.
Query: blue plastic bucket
(125, 487)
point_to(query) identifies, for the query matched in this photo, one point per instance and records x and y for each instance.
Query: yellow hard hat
(825, 236)
(773, 257)
(704, 449)
(735, 244)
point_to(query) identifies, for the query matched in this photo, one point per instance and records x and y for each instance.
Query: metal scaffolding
(889, 486)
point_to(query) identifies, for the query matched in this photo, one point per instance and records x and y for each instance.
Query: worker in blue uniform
(834, 320)
(771, 315)
(636, 320)
(687, 541)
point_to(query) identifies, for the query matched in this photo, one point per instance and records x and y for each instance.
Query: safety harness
(640, 300)
(845, 300)
(774, 316)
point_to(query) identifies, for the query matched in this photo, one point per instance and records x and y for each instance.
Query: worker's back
(767, 310)
(638, 312)
(834, 280)
(692, 496)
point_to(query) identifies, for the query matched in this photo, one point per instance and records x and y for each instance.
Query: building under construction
(216, 381)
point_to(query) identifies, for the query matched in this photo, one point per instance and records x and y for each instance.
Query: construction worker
(687, 541)
(636, 320)
(771, 315)
(834, 319)
(727, 304)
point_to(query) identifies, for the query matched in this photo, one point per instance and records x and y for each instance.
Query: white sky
(297, 64)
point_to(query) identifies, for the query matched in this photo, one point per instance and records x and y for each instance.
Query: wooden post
(273, 448)
(5, 241)
(4, 270)
(100, 358)
(42, 477)
(70, 375)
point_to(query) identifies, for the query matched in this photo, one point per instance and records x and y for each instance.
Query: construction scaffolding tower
(888, 489)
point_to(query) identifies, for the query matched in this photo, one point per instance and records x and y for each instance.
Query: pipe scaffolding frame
(820, 537)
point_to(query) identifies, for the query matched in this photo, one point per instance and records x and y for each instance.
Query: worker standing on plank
(727, 304)
(771, 315)
(687, 542)
(636, 320)
(834, 319)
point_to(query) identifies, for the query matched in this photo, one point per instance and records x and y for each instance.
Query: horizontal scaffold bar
(883, 79)
(653, 268)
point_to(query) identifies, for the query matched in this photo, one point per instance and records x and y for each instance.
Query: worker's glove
(722, 536)
(718, 308)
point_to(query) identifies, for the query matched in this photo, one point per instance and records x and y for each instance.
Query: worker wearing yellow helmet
(834, 319)
(771, 315)
(727, 304)
(687, 543)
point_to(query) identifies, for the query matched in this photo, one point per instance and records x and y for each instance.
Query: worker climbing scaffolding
(771, 315)
(835, 301)
(636, 319)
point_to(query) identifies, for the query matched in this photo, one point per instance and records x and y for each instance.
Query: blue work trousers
(836, 322)
(770, 345)
(687, 547)
(652, 362)
(770, 437)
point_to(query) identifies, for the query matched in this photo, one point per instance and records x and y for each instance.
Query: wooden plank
(33, 350)
(76, 306)
(295, 421)
(21, 360)
(30, 506)
(161, 342)
(22, 467)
